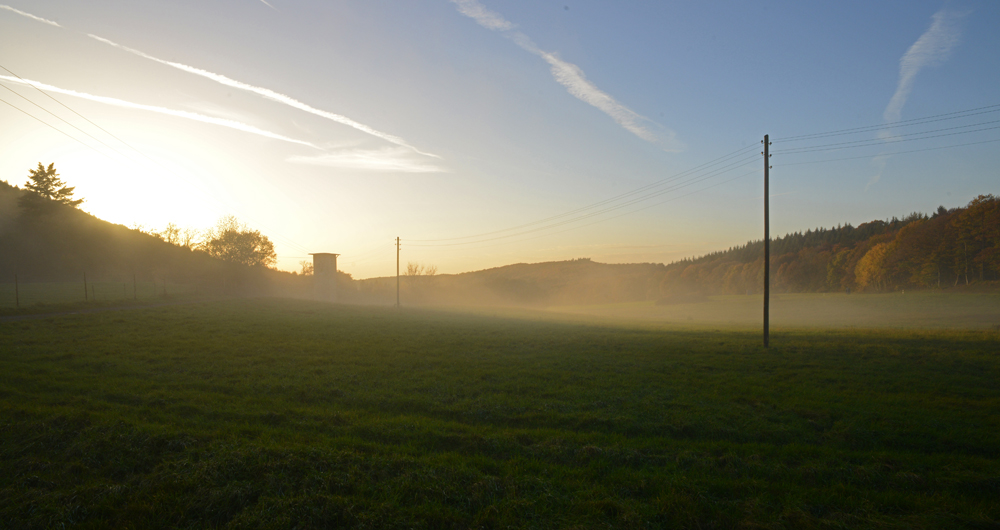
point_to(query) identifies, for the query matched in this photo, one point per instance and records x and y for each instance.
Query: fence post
(17, 293)
(85, 299)
(134, 296)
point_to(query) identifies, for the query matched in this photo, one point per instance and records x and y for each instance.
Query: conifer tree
(44, 182)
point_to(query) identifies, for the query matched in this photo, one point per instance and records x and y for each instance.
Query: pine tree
(44, 183)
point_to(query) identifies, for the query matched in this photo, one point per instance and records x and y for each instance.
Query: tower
(325, 276)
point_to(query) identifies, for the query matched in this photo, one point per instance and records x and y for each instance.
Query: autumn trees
(951, 247)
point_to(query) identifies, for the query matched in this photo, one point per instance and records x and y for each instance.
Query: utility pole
(397, 271)
(767, 242)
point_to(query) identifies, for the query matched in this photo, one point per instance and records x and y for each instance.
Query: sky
(484, 133)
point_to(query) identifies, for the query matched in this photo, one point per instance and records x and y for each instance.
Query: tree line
(948, 248)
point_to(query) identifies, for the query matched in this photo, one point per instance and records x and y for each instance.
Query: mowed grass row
(282, 414)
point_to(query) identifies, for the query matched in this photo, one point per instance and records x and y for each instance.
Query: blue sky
(338, 126)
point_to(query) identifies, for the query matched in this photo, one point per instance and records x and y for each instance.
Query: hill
(61, 243)
(950, 248)
(579, 281)
(947, 249)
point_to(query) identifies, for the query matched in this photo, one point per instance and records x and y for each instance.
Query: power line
(744, 175)
(67, 107)
(154, 162)
(53, 127)
(694, 180)
(890, 139)
(904, 123)
(890, 154)
(603, 202)
(98, 140)
(599, 212)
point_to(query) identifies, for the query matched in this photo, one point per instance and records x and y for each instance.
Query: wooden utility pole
(397, 271)
(767, 242)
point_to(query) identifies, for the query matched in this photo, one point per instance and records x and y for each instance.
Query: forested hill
(948, 248)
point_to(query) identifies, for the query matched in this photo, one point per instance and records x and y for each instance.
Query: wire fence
(21, 294)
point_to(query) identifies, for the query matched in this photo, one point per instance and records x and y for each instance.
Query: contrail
(931, 49)
(571, 76)
(486, 18)
(29, 15)
(232, 124)
(393, 159)
(269, 5)
(566, 74)
(270, 94)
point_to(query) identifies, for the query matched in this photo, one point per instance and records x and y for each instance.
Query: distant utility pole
(397, 271)
(767, 241)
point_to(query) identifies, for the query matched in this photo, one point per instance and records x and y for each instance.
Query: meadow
(33, 295)
(271, 413)
(931, 309)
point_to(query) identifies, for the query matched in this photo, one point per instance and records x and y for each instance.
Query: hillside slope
(958, 247)
(61, 243)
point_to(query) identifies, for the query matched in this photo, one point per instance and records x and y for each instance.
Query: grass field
(33, 294)
(907, 310)
(290, 414)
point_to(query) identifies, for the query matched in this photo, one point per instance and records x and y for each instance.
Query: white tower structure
(325, 276)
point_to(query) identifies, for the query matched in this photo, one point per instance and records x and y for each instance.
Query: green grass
(285, 414)
(36, 294)
(903, 310)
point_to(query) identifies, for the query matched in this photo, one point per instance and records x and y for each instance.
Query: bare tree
(189, 238)
(416, 269)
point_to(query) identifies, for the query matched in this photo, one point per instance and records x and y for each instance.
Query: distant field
(910, 310)
(283, 414)
(28, 294)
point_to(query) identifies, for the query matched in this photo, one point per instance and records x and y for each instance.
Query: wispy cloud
(931, 49)
(879, 163)
(29, 15)
(387, 159)
(486, 18)
(270, 94)
(571, 76)
(222, 122)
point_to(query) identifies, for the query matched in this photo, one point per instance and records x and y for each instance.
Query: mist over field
(468, 264)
